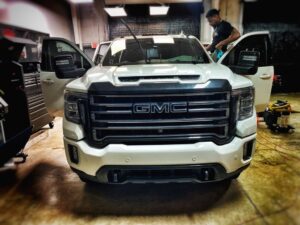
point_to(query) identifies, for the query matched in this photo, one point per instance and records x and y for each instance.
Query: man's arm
(208, 47)
(235, 34)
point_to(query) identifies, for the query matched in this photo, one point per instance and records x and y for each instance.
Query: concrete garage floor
(45, 191)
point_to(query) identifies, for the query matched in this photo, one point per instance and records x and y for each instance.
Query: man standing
(223, 34)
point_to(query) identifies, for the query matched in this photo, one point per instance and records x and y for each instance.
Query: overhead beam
(121, 2)
(76, 25)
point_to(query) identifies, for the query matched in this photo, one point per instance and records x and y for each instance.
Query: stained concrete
(45, 191)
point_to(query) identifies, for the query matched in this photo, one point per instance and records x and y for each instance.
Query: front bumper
(225, 160)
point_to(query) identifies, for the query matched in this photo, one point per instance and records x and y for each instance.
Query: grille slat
(227, 95)
(114, 112)
(161, 127)
(192, 103)
(183, 136)
(199, 115)
(193, 110)
(195, 120)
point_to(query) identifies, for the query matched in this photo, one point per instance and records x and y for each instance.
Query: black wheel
(51, 125)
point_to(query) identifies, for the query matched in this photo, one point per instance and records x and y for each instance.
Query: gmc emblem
(164, 107)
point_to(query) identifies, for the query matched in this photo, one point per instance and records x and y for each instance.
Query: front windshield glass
(156, 51)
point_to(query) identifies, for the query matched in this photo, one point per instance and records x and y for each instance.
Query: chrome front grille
(163, 118)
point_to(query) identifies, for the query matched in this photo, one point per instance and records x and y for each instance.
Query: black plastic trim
(107, 88)
(219, 173)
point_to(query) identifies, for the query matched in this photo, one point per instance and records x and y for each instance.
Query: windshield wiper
(192, 61)
(196, 62)
(127, 63)
(137, 41)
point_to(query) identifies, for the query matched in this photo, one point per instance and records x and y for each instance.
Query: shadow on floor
(7, 176)
(59, 187)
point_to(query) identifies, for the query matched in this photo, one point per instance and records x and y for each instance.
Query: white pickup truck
(158, 108)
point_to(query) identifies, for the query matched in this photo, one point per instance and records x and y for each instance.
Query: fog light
(247, 152)
(73, 153)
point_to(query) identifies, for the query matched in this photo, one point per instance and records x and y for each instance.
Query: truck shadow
(58, 187)
(150, 199)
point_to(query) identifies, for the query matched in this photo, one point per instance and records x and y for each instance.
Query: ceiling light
(159, 10)
(80, 1)
(115, 11)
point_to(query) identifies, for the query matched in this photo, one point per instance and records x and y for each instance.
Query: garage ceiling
(120, 2)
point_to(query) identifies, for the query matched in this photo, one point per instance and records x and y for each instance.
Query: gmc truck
(158, 108)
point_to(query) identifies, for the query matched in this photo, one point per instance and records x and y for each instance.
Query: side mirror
(247, 63)
(64, 67)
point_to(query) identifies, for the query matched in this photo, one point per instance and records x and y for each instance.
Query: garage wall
(142, 26)
(52, 17)
(181, 17)
(231, 11)
(93, 20)
(284, 26)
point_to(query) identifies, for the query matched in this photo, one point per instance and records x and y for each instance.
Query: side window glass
(63, 47)
(53, 49)
(102, 50)
(112, 59)
(254, 43)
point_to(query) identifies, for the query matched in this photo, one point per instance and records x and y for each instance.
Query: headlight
(245, 102)
(74, 107)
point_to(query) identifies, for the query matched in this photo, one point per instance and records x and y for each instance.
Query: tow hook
(116, 176)
(206, 175)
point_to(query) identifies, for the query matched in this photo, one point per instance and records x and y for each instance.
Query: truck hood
(156, 73)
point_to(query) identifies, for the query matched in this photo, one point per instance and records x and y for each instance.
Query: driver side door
(53, 84)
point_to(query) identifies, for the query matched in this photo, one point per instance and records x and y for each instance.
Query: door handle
(48, 81)
(265, 76)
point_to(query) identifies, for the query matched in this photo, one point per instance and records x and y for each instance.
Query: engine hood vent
(159, 77)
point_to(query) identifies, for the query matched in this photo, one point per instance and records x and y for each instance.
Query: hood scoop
(159, 78)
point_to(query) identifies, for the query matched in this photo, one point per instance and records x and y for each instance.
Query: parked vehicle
(158, 108)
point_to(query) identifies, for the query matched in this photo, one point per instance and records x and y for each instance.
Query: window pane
(255, 43)
(181, 50)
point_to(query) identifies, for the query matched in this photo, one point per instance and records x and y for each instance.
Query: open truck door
(253, 48)
(62, 62)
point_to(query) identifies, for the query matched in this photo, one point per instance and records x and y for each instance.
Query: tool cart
(15, 123)
(38, 113)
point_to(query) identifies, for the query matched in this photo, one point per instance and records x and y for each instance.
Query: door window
(102, 50)
(258, 43)
(54, 48)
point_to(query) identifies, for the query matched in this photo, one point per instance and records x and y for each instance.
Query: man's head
(213, 17)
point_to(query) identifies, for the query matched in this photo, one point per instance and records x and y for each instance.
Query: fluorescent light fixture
(115, 11)
(159, 10)
(80, 1)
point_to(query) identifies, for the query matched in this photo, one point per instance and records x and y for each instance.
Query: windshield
(155, 51)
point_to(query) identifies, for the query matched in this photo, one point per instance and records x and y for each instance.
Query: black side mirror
(65, 68)
(247, 63)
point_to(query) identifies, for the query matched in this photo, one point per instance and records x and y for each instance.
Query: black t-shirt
(221, 32)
